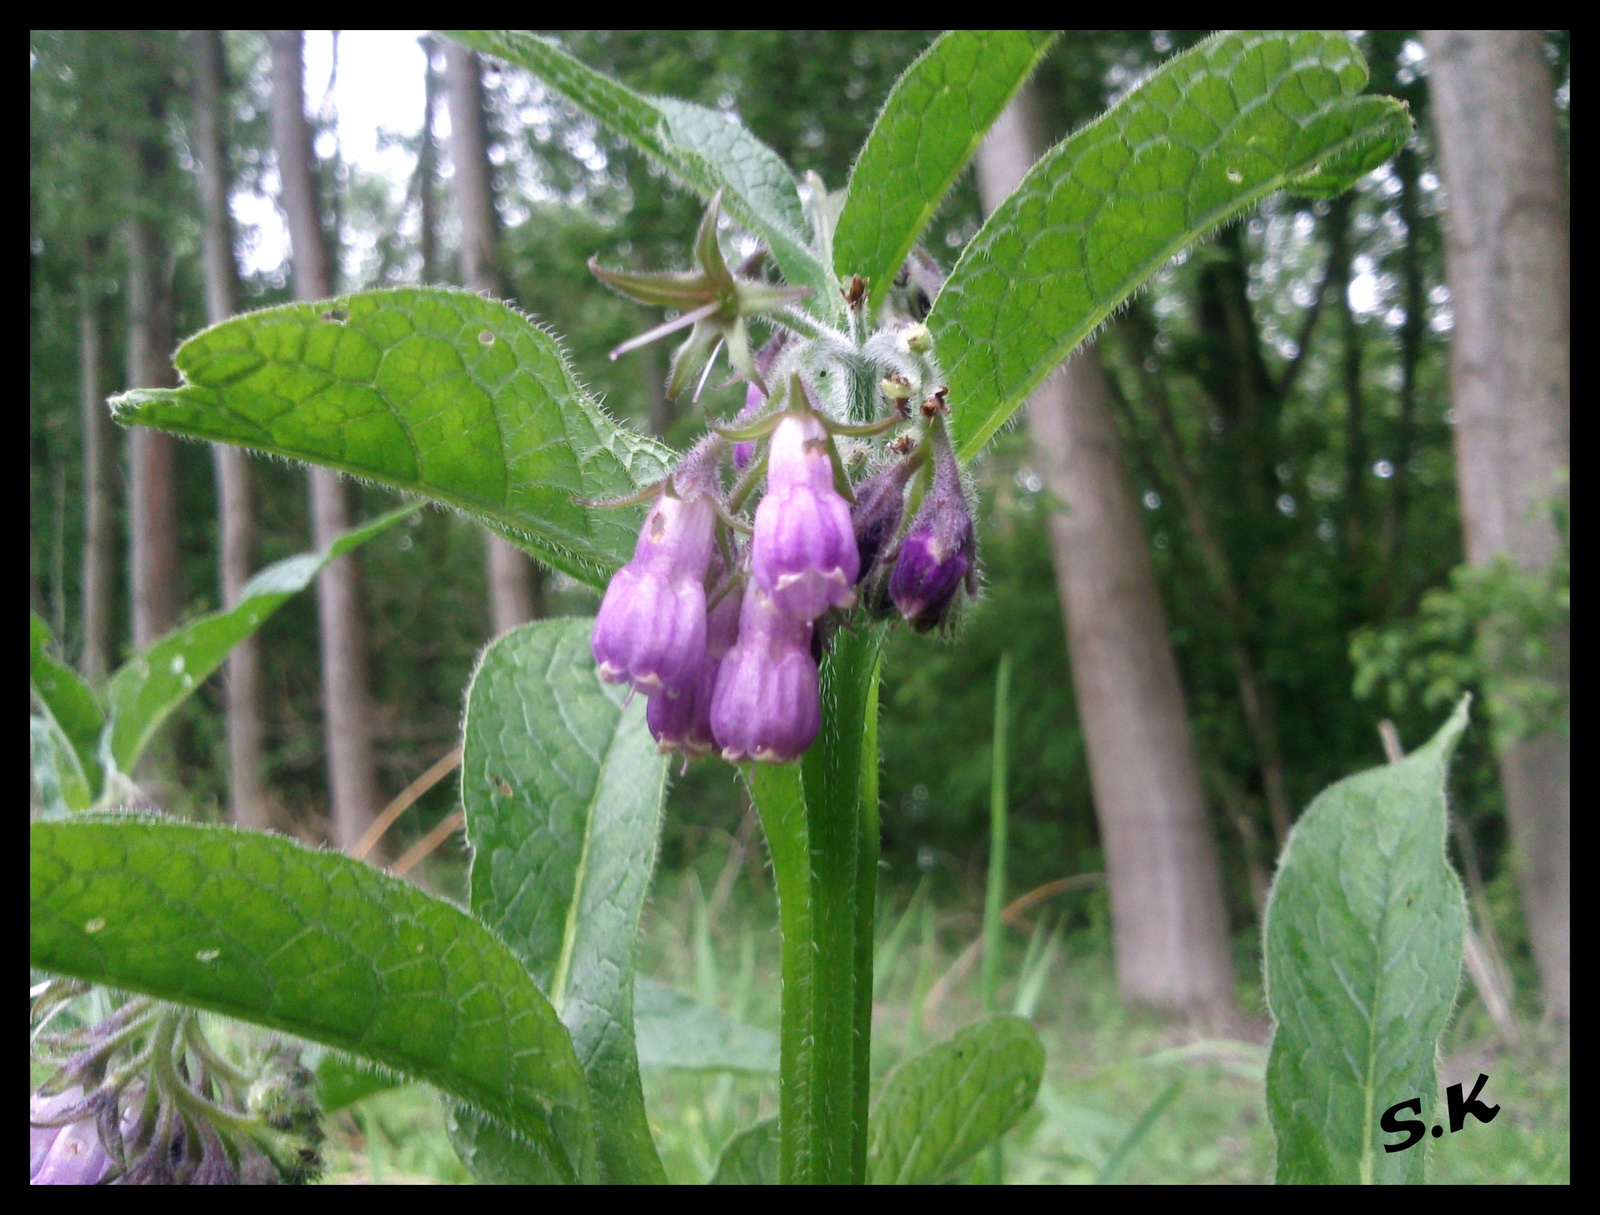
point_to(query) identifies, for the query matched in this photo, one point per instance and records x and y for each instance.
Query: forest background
(1283, 411)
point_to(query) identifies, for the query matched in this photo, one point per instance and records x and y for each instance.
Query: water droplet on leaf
(94, 925)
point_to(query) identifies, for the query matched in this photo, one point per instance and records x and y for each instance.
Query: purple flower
(683, 722)
(651, 630)
(69, 1154)
(768, 702)
(803, 553)
(880, 502)
(744, 452)
(939, 552)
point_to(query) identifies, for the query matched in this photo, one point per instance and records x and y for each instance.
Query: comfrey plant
(744, 618)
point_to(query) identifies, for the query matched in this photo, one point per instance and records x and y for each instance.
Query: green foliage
(1492, 629)
(929, 128)
(675, 1033)
(701, 146)
(1215, 130)
(314, 944)
(750, 1158)
(72, 723)
(1364, 935)
(559, 780)
(940, 1108)
(441, 393)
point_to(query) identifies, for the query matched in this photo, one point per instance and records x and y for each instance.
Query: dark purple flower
(651, 629)
(803, 553)
(939, 552)
(683, 722)
(880, 502)
(768, 702)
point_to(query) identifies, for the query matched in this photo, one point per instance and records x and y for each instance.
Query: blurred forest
(1282, 398)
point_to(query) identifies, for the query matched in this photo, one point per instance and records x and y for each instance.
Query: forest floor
(1107, 1068)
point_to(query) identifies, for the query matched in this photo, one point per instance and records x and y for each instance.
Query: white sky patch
(378, 88)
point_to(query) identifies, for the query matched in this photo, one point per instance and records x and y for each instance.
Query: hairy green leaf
(750, 1157)
(57, 773)
(942, 1107)
(1216, 130)
(562, 787)
(72, 710)
(708, 150)
(928, 130)
(314, 944)
(676, 1033)
(443, 393)
(1364, 935)
(152, 684)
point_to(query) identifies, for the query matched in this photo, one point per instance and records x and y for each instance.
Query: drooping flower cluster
(141, 1098)
(724, 634)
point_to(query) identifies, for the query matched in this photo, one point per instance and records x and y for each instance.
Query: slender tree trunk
(155, 570)
(247, 795)
(428, 165)
(1508, 260)
(353, 781)
(1169, 922)
(514, 588)
(1411, 333)
(99, 539)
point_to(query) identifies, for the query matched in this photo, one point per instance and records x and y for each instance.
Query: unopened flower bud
(69, 1154)
(683, 722)
(768, 701)
(651, 628)
(880, 502)
(803, 553)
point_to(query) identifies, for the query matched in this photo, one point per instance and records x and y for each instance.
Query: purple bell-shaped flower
(651, 629)
(939, 552)
(768, 702)
(683, 722)
(803, 553)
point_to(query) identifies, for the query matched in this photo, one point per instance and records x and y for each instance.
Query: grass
(1126, 1096)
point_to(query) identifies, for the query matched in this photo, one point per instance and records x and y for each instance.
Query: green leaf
(707, 149)
(944, 1106)
(562, 787)
(1216, 130)
(1364, 936)
(439, 392)
(750, 1157)
(676, 1033)
(314, 944)
(343, 1081)
(56, 771)
(933, 122)
(146, 689)
(72, 711)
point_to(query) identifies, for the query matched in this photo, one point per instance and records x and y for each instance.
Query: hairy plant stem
(821, 822)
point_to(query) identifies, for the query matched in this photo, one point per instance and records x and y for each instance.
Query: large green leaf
(928, 130)
(1217, 129)
(750, 1157)
(944, 1106)
(314, 944)
(676, 1033)
(57, 772)
(562, 786)
(73, 719)
(1364, 935)
(443, 393)
(152, 684)
(707, 149)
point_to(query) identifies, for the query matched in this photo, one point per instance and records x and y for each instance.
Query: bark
(247, 795)
(1340, 258)
(1508, 261)
(514, 590)
(1411, 334)
(428, 166)
(99, 539)
(1169, 923)
(155, 570)
(353, 782)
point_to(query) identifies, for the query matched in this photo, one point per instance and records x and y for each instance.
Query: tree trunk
(155, 570)
(514, 591)
(1169, 923)
(353, 782)
(99, 538)
(1508, 261)
(247, 795)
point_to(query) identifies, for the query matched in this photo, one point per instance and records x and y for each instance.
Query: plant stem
(995, 892)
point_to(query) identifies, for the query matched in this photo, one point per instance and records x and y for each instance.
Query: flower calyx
(713, 303)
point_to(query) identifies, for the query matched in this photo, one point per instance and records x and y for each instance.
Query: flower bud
(880, 502)
(69, 1154)
(939, 552)
(768, 701)
(803, 553)
(651, 628)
